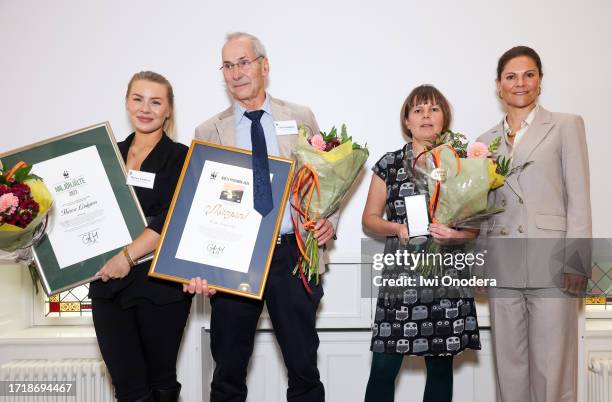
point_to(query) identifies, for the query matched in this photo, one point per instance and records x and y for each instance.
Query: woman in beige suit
(538, 248)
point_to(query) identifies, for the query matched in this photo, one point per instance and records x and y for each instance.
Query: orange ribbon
(9, 175)
(435, 197)
(305, 184)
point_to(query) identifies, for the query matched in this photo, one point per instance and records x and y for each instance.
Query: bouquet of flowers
(24, 204)
(460, 176)
(327, 166)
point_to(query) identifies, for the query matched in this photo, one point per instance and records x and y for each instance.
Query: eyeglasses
(243, 65)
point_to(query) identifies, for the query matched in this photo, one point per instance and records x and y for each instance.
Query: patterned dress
(419, 320)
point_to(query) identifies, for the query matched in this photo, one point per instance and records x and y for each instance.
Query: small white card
(138, 178)
(416, 214)
(286, 127)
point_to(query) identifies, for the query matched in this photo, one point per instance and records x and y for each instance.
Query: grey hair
(258, 47)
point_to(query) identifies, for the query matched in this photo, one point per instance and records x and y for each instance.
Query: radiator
(600, 379)
(90, 375)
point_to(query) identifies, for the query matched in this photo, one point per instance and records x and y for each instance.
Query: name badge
(416, 214)
(286, 127)
(139, 178)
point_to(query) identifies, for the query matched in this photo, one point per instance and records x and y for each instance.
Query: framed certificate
(212, 230)
(94, 212)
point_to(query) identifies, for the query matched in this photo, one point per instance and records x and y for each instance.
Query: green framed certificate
(212, 230)
(94, 212)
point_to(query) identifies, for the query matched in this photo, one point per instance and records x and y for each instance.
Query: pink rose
(477, 150)
(8, 203)
(318, 142)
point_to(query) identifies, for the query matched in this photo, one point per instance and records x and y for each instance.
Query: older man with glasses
(250, 123)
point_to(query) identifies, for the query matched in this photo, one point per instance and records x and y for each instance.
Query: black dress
(166, 161)
(423, 321)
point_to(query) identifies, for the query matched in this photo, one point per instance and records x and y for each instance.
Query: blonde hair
(151, 76)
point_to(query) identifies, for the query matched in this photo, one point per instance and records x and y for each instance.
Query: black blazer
(166, 161)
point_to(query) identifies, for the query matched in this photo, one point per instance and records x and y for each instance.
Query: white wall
(65, 64)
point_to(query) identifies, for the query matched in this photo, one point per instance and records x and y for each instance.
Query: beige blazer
(220, 129)
(545, 229)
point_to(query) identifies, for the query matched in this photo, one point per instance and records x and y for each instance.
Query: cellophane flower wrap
(459, 177)
(464, 190)
(327, 166)
(24, 204)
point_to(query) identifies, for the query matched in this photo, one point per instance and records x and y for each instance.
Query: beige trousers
(535, 339)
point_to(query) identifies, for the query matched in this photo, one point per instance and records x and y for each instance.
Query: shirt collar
(525, 123)
(239, 110)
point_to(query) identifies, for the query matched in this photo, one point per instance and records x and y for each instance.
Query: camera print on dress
(422, 321)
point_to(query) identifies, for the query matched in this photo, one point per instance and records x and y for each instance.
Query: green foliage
(494, 145)
(518, 169)
(458, 141)
(22, 174)
(503, 166)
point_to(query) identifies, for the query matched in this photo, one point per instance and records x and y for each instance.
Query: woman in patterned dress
(436, 323)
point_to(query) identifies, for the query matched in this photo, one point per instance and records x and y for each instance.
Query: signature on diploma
(214, 249)
(90, 238)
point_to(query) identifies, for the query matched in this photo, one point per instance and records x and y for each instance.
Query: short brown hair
(158, 79)
(518, 51)
(425, 94)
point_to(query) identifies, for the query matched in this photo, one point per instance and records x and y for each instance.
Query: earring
(539, 91)
(499, 95)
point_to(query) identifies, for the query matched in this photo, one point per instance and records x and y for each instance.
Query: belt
(288, 238)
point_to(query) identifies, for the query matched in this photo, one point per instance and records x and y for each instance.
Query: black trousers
(293, 314)
(140, 344)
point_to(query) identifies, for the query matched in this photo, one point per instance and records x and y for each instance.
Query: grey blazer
(545, 230)
(220, 129)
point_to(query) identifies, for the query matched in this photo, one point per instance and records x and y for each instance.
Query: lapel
(539, 129)
(225, 127)
(280, 112)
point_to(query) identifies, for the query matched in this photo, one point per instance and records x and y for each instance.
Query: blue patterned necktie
(262, 190)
